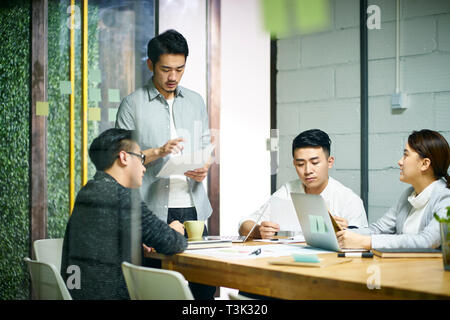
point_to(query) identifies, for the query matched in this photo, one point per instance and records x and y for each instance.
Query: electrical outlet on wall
(272, 144)
(399, 101)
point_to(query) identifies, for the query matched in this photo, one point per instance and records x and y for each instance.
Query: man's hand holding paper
(198, 174)
(172, 146)
(193, 165)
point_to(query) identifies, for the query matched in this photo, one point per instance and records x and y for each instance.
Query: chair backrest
(155, 284)
(49, 251)
(47, 282)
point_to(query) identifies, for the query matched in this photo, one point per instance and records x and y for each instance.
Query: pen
(355, 254)
(256, 252)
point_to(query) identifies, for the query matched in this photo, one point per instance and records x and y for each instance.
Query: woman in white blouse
(410, 223)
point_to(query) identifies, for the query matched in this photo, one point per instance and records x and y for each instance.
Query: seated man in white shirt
(312, 160)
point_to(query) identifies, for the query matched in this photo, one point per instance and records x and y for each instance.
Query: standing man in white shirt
(312, 160)
(169, 118)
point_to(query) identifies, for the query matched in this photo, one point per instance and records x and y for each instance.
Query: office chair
(47, 282)
(155, 284)
(49, 251)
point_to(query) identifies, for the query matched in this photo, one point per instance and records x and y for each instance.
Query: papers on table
(270, 250)
(295, 239)
(283, 213)
(180, 163)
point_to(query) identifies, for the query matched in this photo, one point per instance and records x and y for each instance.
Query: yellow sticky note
(312, 15)
(275, 14)
(94, 114)
(41, 108)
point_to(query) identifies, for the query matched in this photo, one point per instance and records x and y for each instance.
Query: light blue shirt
(147, 112)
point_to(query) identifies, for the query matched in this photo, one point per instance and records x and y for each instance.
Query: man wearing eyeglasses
(98, 234)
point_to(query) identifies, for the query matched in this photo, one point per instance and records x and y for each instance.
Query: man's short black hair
(106, 147)
(312, 138)
(170, 41)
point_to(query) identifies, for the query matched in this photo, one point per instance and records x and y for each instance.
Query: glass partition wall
(319, 86)
(106, 63)
(409, 58)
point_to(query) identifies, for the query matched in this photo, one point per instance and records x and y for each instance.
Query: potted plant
(445, 237)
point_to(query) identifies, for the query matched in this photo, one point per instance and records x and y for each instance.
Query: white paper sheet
(267, 251)
(283, 212)
(180, 163)
(295, 239)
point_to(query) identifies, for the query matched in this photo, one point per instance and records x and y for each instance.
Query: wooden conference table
(398, 278)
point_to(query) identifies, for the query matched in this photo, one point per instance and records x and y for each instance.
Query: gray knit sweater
(98, 238)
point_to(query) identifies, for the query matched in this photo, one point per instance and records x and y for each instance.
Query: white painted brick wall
(305, 85)
(442, 111)
(346, 14)
(442, 30)
(318, 86)
(418, 115)
(348, 81)
(345, 148)
(288, 116)
(426, 73)
(288, 54)
(330, 48)
(385, 187)
(381, 43)
(335, 116)
(385, 149)
(418, 36)
(414, 8)
(381, 77)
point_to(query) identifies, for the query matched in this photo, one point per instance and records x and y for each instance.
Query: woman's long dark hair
(432, 145)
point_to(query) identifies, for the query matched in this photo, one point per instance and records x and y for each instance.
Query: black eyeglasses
(140, 155)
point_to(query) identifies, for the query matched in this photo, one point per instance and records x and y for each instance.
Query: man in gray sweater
(99, 233)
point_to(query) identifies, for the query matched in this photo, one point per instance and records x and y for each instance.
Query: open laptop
(240, 239)
(316, 222)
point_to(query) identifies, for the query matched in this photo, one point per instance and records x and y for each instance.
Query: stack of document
(202, 244)
(180, 163)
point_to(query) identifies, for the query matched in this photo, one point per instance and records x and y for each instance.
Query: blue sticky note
(65, 87)
(114, 95)
(95, 75)
(112, 113)
(95, 95)
(317, 224)
(313, 258)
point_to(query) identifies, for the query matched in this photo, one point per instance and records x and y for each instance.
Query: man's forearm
(245, 228)
(152, 154)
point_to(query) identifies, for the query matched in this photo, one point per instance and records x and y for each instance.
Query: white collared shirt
(179, 195)
(419, 203)
(340, 200)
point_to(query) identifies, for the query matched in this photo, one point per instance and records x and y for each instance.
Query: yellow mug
(194, 229)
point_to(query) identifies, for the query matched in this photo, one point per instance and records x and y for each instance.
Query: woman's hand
(351, 240)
